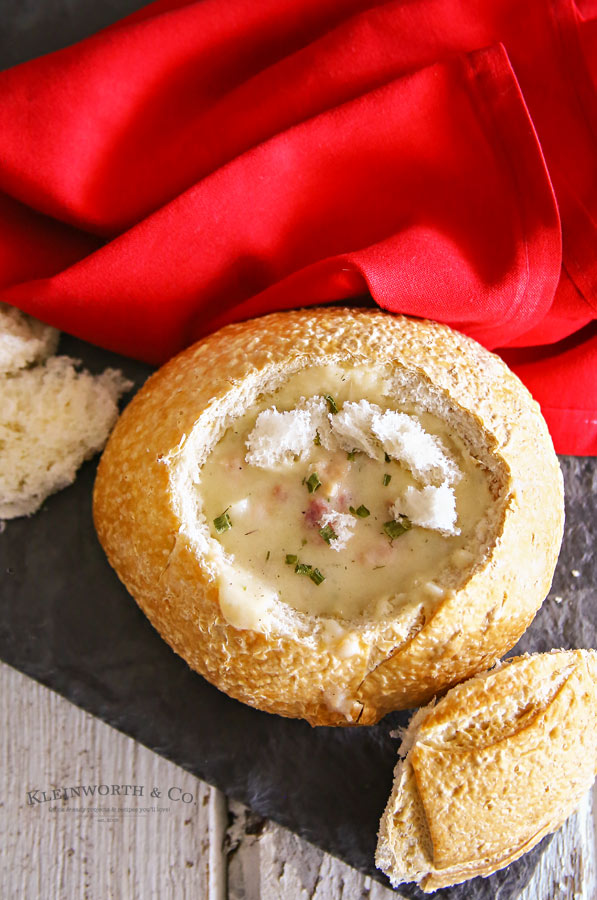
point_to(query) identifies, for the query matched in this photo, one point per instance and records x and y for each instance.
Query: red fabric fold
(200, 162)
(244, 240)
(563, 378)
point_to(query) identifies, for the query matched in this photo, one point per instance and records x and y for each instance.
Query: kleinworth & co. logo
(60, 800)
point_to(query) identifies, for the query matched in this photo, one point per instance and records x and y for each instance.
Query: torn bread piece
(52, 418)
(352, 428)
(403, 437)
(430, 507)
(279, 436)
(502, 760)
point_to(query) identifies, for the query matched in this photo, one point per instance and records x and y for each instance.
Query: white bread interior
(150, 524)
(23, 339)
(501, 761)
(52, 416)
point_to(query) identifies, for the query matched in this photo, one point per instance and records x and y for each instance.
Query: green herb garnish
(332, 406)
(362, 512)
(328, 533)
(388, 457)
(267, 555)
(314, 574)
(317, 439)
(291, 559)
(397, 527)
(352, 455)
(386, 479)
(222, 523)
(313, 482)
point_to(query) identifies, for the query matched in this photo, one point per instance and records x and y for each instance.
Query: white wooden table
(202, 848)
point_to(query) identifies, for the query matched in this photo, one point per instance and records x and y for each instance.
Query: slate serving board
(66, 620)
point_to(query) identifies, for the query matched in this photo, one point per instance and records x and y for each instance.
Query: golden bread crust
(138, 518)
(500, 762)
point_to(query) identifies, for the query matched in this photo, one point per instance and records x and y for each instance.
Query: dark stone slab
(31, 28)
(66, 620)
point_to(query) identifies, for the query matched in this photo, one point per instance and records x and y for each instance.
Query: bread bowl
(502, 760)
(472, 470)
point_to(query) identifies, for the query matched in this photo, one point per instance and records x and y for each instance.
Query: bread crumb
(403, 438)
(352, 428)
(342, 525)
(280, 437)
(431, 507)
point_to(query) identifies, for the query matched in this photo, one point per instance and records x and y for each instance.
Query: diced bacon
(279, 493)
(379, 554)
(315, 512)
(234, 463)
(344, 501)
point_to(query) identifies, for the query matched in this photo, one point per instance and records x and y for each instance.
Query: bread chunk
(52, 418)
(502, 760)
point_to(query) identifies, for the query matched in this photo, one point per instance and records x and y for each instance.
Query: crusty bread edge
(428, 877)
(137, 523)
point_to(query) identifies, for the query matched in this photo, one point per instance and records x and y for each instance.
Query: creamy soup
(330, 498)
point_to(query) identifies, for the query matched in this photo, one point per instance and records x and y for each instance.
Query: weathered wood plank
(48, 743)
(277, 865)
(203, 850)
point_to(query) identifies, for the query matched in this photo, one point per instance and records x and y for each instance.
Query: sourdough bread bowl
(502, 760)
(333, 513)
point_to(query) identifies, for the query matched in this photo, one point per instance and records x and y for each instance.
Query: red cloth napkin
(202, 162)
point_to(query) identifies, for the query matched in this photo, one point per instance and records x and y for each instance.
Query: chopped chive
(313, 573)
(317, 439)
(313, 482)
(328, 533)
(362, 512)
(386, 479)
(267, 555)
(316, 576)
(395, 528)
(351, 455)
(291, 559)
(388, 457)
(222, 523)
(332, 406)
